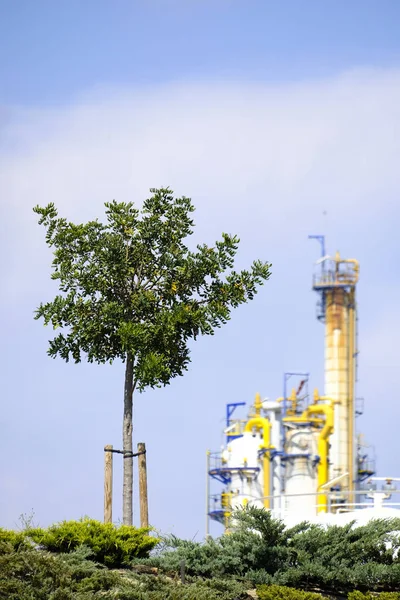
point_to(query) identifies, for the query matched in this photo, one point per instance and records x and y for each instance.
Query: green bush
(39, 575)
(214, 558)
(158, 588)
(112, 546)
(368, 596)
(244, 551)
(15, 539)
(30, 574)
(280, 592)
(68, 561)
(335, 559)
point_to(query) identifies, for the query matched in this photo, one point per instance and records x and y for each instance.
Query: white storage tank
(301, 472)
(246, 470)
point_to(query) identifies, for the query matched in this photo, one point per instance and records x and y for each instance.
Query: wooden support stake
(108, 479)
(144, 505)
(183, 572)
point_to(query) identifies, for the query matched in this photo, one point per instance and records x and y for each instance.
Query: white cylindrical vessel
(245, 467)
(301, 472)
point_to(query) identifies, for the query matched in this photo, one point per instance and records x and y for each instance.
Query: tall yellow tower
(336, 283)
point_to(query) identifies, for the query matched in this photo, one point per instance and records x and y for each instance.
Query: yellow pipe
(226, 504)
(323, 448)
(293, 400)
(265, 425)
(326, 398)
(356, 264)
(304, 418)
(257, 405)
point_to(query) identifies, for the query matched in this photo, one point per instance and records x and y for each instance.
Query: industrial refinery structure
(300, 456)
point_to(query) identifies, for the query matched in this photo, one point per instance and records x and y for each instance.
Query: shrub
(15, 539)
(262, 550)
(28, 575)
(159, 588)
(368, 596)
(243, 551)
(224, 557)
(280, 592)
(112, 546)
(38, 575)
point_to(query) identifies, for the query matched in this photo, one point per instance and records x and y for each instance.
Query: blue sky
(52, 51)
(279, 119)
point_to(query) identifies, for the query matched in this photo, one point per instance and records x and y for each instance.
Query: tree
(132, 290)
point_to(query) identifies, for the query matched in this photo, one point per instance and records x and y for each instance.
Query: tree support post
(144, 504)
(108, 480)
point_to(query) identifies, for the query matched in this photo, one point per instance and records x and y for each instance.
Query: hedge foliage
(357, 595)
(112, 546)
(17, 539)
(263, 551)
(280, 592)
(30, 574)
(72, 560)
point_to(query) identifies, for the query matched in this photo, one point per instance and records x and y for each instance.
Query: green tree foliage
(110, 545)
(131, 289)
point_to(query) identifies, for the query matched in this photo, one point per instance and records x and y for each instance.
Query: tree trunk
(127, 500)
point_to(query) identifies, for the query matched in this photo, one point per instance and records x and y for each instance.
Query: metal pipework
(265, 425)
(257, 406)
(323, 447)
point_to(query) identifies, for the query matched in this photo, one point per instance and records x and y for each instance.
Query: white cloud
(263, 161)
(263, 158)
(334, 140)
